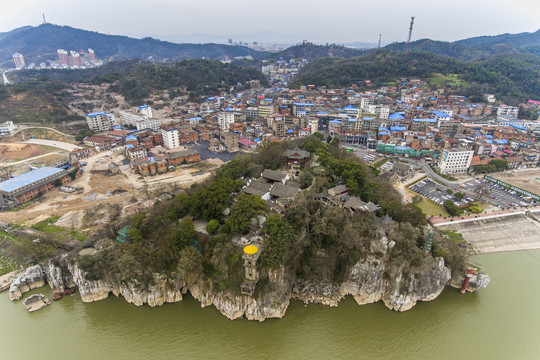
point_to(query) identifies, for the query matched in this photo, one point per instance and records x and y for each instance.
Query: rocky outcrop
(403, 292)
(36, 302)
(33, 278)
(477, 282)
(370, 280)
(367, 284)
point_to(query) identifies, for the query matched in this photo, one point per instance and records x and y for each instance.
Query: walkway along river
(499, 322)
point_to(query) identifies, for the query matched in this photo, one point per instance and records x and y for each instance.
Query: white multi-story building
(506, 110)
(313, 124)
(364, 102)
(455, 160)
(100, 121)
(7, 128)
(152, 124)
(252, 112)
(146, 111)
(171, 138)
(225, 119)
(383, 112)
(18, 59)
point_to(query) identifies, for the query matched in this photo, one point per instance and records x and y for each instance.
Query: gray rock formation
(36, 302)
(32, 278)
(368, 281)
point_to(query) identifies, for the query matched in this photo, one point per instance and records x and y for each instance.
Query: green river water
(499, 322)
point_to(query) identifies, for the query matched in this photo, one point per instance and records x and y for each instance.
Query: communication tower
(408, 48)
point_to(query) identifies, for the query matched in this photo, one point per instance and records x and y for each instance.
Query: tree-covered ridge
(524, 42)
(456, 51)
(509, 77)
(41, 42)
(40, 95)
(312, 241)
(478, 47)
(196, 77)
(312, 51)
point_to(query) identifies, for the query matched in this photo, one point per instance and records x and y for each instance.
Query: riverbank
(491, 324)
(508, 231)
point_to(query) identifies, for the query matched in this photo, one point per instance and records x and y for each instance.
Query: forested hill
(196, 78)
(311, 52)
(477, 47)
(136, 79)
(40, 43)
(524, 42)
(452, 50)
(511, 77)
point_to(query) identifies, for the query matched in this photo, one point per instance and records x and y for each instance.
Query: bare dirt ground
(14, 152)
(524, 178)
(97, 190)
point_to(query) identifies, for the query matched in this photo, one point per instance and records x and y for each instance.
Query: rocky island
(299, 220)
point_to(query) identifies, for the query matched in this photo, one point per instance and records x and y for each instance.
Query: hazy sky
(318, 21)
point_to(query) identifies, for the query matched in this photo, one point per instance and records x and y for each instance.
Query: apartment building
(455, 160)
(171, 138)
(100, 121)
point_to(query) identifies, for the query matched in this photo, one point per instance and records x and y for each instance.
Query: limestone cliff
(370, 280)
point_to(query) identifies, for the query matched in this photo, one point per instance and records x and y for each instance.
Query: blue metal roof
(290, 131)
(97, 113)
(396, 116)
(28, 178)
(144, 106)
(440, 114)
(129, 146)
(518, 127)
(131, 137)
(349, 107)
(425, 120)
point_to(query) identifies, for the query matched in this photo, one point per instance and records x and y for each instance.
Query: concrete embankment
(507, 232)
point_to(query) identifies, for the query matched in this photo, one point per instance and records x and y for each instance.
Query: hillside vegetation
(40, 43)
(195, 78)
(478, 47)
(511, 77)
(40, 96)
(311, 52)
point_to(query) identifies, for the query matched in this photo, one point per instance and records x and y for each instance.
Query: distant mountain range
(40, 43)
(477, 47)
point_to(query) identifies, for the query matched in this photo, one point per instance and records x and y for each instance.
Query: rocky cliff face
(368, 281)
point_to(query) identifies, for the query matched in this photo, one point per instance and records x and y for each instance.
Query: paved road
(53, 143)
(29, 159)
(25, 127)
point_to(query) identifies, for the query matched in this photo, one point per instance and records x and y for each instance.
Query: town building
(7, 128)
(18, 59)
(183, 157)
(75, 59)
(225, 119)
(63, 57)
(508, 110)
(25, 187)
(100, 121)
(171, 138)
(455, 160)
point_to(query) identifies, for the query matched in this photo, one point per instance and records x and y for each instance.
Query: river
(499, 322)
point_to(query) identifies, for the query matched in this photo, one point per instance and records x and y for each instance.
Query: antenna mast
(408, 47)
(379, 48)
(44, 21)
